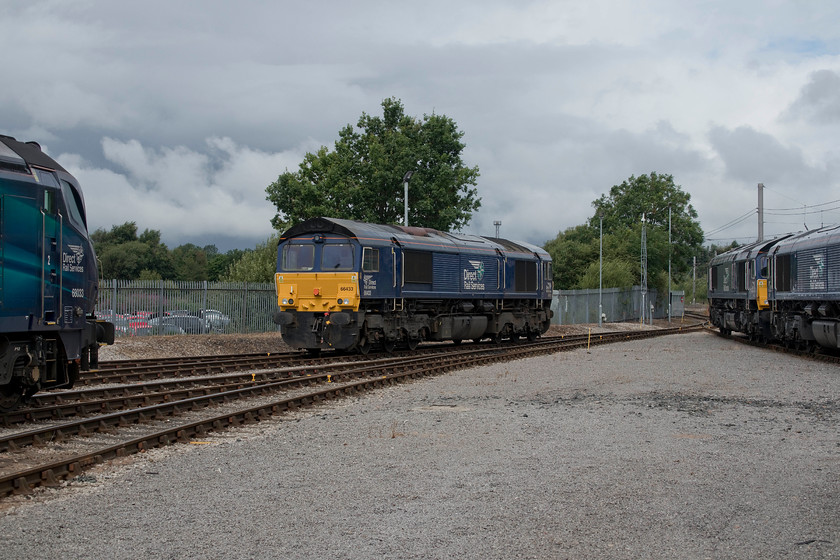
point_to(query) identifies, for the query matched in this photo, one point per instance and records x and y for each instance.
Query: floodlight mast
(406, 177)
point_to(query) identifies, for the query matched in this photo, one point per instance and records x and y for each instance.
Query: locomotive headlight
(346, 302)
(285, 301)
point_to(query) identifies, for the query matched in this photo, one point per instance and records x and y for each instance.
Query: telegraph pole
(601, 271)
(644, 269)
(761, 212)
(669, 264)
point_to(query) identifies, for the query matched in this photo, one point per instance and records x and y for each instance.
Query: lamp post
(406, 177)
(669, 263)
(498, 224)
(600, 270)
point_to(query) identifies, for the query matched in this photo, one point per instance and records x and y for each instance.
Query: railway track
(819, 354)
(66, 432)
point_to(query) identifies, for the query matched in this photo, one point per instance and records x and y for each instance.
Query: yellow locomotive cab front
(326, 292)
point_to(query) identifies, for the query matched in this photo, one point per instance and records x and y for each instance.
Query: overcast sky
(177, 115)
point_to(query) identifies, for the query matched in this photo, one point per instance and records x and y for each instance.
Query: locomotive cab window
(762, 263)
(49, 201)
(74, 204)
(337, 256)
(370, 259)
(298, 257)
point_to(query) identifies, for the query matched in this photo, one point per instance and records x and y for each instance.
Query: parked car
(130, 325)
(214, 320)
(188, 324)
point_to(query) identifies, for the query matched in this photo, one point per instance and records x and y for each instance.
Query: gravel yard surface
(686, 446)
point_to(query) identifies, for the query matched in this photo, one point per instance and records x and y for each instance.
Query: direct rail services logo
(474, 279)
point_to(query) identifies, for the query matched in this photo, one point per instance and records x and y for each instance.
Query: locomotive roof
(417, 237)
(829, 235)
(746, 252)
(19, 155)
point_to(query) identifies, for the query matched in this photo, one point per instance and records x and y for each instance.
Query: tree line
(124, 254)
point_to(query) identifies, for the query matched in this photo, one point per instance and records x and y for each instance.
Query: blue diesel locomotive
(786, 289)
(48, 276)
(349, 285)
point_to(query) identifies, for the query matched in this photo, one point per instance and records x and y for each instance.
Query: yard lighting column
(600, 270)
(406, 177)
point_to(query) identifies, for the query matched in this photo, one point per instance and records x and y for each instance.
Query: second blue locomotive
(349, 285)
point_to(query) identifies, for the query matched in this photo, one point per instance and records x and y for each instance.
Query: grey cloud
(819, 99)
(553, 117)
(753, 157)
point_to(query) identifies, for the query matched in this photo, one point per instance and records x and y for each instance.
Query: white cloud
(183, 193)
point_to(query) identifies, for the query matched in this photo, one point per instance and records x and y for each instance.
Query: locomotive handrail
(43, 264)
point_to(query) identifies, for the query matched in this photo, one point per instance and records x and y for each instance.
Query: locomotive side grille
(833, 266)
(811, 270)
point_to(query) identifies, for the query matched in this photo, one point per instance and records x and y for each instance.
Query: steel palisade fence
(617, 304)
(245, 307)
(224, 307)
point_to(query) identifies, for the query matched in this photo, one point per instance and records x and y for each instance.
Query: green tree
(576, 251)
(119, 234)
(219, 263)
(652, 196)
(571, 252)
(123, 254)
(362, 178)
(257, 265)
(613, 274)
(189, 263)
(125, 261)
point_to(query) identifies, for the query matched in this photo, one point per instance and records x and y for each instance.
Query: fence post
(114, 297)
(204, 308)
(160, 299)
